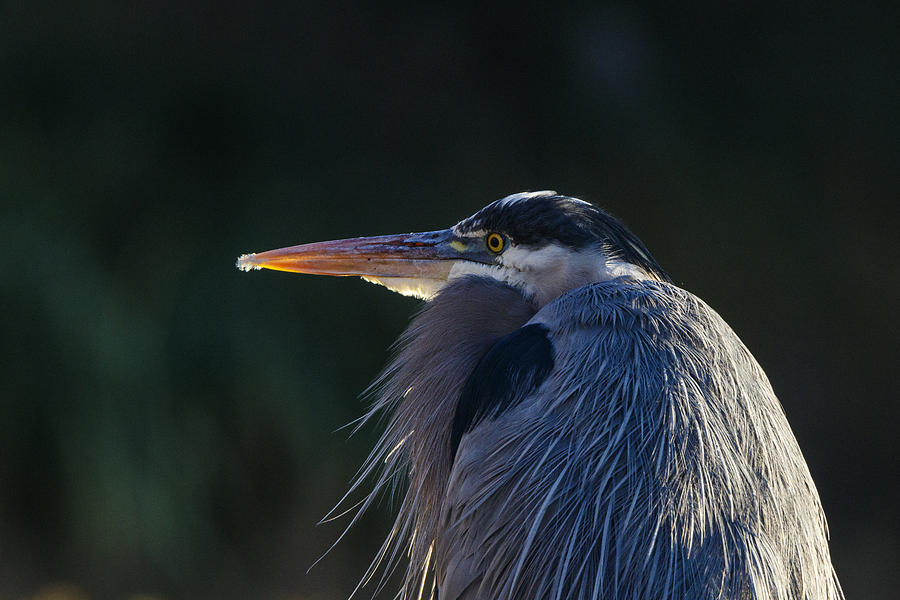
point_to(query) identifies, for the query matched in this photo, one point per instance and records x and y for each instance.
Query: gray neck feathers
(420, 389)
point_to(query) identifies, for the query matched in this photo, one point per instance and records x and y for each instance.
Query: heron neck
(423, 385)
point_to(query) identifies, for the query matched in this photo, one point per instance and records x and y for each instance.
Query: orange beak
(428, 255)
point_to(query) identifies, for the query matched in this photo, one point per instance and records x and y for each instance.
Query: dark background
(168, 424)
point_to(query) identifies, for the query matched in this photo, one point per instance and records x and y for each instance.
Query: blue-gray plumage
(570, 424)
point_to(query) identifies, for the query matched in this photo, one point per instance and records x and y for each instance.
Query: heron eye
(495, 242)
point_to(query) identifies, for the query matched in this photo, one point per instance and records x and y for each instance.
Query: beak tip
(247, 262)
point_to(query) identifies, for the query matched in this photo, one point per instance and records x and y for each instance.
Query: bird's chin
(424, 289)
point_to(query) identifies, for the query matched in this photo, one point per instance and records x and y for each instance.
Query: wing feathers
(653, 462)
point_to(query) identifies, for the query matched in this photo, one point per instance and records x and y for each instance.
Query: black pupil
(494, 241)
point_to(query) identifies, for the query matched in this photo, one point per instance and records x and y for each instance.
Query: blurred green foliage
(168, 424)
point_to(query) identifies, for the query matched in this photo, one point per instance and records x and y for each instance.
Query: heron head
(541, 243)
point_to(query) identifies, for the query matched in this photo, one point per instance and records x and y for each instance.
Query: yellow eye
(495, 242)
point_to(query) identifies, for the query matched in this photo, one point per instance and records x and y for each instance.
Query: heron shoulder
(656, 331)
(645, 310)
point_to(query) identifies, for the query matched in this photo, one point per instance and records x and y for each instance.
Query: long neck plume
(420, 389)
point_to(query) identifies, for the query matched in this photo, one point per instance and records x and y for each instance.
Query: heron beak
(423, 257)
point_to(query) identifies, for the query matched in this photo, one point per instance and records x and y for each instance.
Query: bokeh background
(169, 425)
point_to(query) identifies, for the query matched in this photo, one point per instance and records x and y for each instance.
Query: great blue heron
(571, 424)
